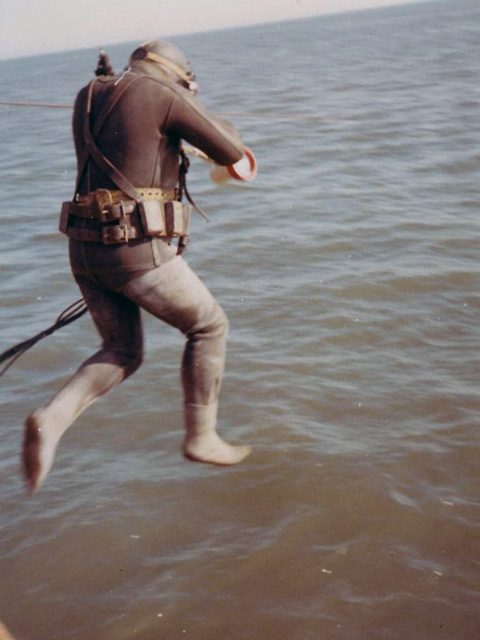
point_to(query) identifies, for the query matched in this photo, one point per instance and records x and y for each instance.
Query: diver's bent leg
(202, 371)
(176, 295)
(119, 357)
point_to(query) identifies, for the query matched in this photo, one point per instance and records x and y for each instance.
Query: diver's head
(157, 55)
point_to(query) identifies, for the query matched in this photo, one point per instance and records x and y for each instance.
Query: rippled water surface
(349, 272)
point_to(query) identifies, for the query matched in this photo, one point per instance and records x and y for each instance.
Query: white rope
(293, 116)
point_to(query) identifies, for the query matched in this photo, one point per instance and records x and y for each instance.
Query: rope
(298, 116)
(36, 104)
(70, 314)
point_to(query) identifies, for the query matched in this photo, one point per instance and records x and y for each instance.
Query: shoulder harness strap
(91, 149)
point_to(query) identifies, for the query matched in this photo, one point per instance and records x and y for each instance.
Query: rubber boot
(202, 442)
(39, 447)
(45, 426)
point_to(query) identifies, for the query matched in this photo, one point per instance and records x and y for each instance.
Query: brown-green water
(349, 271)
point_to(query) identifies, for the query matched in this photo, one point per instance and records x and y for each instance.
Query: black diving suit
(128, 132)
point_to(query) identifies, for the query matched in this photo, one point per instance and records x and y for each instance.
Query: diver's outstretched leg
(45, 426)
(119, 324)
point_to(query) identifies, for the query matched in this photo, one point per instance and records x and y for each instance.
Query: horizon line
(324, 14)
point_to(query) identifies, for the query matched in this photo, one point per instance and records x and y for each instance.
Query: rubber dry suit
(141, 138)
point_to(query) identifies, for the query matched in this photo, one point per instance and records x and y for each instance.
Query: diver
(121, 224)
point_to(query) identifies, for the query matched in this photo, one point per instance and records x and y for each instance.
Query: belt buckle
(117, 234)
(117, 210)
(109, 213)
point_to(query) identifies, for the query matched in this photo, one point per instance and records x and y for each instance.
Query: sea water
(349, 269)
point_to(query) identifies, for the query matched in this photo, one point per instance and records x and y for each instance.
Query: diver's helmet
(158, 53)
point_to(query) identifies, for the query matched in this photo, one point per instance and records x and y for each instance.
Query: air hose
(70, 314)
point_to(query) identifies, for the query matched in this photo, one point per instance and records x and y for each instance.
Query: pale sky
(29, 27)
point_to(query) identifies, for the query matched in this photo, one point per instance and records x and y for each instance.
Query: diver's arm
(188, 119)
